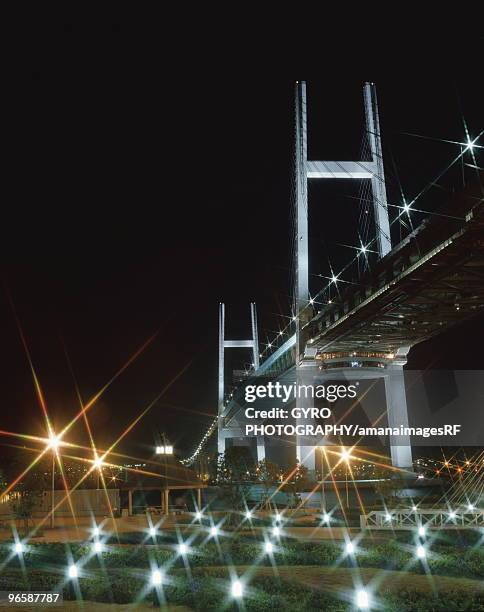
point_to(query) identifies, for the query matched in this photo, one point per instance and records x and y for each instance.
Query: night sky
(139, 200)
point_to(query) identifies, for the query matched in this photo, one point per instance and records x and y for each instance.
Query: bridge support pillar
(396, 400)
(261, 448)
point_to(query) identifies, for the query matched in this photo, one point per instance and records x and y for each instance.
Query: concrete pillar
(166, 501)
(306, 371)
(261, 448)
(130, 503)
(396, 400)
(199, 499)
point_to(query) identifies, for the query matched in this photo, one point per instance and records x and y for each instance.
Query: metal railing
(413, 519)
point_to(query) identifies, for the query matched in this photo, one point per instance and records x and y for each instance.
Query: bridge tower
(373, 171)
(252, 343)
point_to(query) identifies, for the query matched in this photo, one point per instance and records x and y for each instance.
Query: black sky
(140, 199)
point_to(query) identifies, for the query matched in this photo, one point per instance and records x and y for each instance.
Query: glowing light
(164, 450)
(334, 279)
(452, 514)
(406, 208)
(54, 442)
(95, 531)
(73, 572)
(153, 531)
(182, 548)
(156, 577)
(18, 548)
(345, 455)
(421, 531)
(214, 531)
(470, 144)
(414, 508)
(350, 548)
(98, 463)
(363, 249)
(362, 599)
(198, 515)
(278, 518)
(269, 345)
(276, 531)
(471, 507)
(388, 516)
(237, 589)
(268, 547)
(248, 515)
(326, 518)
(97, 547)
(280, 333)
(421, 552)
(420, 476)
(294, 318)
(311, 301)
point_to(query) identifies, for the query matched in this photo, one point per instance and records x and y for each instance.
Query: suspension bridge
(405, 291)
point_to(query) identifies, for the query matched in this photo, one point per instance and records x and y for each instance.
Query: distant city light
(98, 463)
(237, 589)
(95, 531)
(388, 516)
(198, 515)
(214, 531)
(363, 249)
(471, 507)
(326, 517)
(470, 144)
(268, 547)
(421, 531)
(414, 508)
(248, 515)
(182, 548)
(156, 577)
(278, 518)
(406, 208)
(420, 476)
(334, 279)
(73, 572)
(276, 531)
(152, 531)
(452, 514)
(362, 599)
(421, 552)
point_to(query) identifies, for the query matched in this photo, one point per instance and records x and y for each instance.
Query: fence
(409, 519)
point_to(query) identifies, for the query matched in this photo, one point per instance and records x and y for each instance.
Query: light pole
(323, 491)
(345, 455)
(54, 442)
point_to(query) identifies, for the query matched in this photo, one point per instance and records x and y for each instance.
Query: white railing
(413, 519)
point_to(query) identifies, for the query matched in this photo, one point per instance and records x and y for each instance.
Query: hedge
(391, 555)
(209, 591)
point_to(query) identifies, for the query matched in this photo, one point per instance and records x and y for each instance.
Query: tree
(296, 479)
(27, 492)
(233, 477)
(267, 474)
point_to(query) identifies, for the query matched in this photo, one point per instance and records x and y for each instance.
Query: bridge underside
(429, 282)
